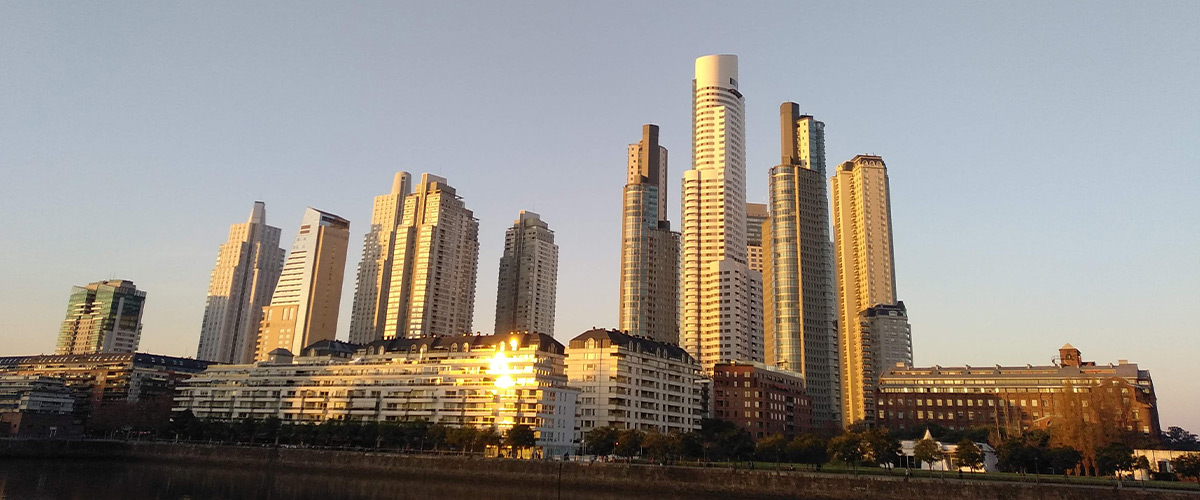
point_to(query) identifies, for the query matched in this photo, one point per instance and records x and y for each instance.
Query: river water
(99, 480)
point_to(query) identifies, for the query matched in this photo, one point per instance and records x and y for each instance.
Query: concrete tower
(304, 307)
(375, 270)
(720, 313)
(434, 264)
(248, 267)
(862, 226)
(102, 317)
(756, 215)
(528, 280)
(799, 302)
(649, 296)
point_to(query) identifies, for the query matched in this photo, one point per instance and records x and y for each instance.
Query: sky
(1044, 157)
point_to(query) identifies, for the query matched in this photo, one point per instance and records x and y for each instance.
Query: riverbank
(568, 476)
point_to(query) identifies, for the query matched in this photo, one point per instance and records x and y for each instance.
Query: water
(101, 480)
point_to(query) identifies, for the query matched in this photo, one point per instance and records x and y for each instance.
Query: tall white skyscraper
(649, 297)
(799, 301)
(375, 269)
(304, 307)
(434, 264)
(525, 292)
(247, 269)
(721, 317)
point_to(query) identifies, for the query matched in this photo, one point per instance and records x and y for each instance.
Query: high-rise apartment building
(862, 226)
(375, 269)
(526, 289)
(304, 307)
(102, 317)
(649, 301)
(799, 329)
(247, 270)
(434, 263)
(756, 215)
(721, 319)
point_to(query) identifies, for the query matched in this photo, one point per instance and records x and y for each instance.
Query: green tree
(1114, 458)
(519, 437)
(600, 441)
(927, 451)
(1176, 438)
(848, 447)
(1187, 465)
(1062, 459)
(660, 446)
(770, 448)
(882, 448)
(968, 454)
(629, 443)
(807, 449)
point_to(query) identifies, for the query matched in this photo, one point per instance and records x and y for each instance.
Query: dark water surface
(99, 480)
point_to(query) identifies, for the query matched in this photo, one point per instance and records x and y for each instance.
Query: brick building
(761, 399)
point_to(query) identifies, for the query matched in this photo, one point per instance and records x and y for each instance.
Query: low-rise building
(633, 383)
(492, 381)
(112, 391)
(945, 460)
(1019, 397)
(33, 406)
(761, 399)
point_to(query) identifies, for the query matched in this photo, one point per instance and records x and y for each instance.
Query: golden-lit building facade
(1019, 398)
(492, 381)
(374, 278)
(304, 307)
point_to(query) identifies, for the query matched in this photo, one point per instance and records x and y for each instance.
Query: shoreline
(566, 476)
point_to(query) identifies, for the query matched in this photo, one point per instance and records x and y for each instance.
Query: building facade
(111, 390)
(756, 215)
(649, 288)
(304, 307)
(435, 262)
(102, 317)
(720, 318)
(799, 302)
(761, 399)
(862, 227)
(493, 381)
(1019, 398)
(247, 270)
(633, 383)
(375, 269)
(528, 282)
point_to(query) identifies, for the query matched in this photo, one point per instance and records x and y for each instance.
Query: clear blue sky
(1044, 157)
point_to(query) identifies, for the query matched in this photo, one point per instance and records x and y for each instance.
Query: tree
(770, 448)
(807, 449)
(519, 437)
(968, 454)
(1114, 458)
(1062, 459)
(1187, 465)
(848, 447)
(882, 447)
(660, 446)
(927, 451)
(629, 443)
(1176, 438)
(600, 441)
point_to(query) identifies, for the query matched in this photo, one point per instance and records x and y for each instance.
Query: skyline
(145, 113)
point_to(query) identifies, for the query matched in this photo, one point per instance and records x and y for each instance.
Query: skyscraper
(434, 263)
(375, 269)
(721, 317)
(798, 293)
(102, 317)
(862, 226)
(649, 297)
(247, 270)
(304, 307)
(756, 215)
(525, 292)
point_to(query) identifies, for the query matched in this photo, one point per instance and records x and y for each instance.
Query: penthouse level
(1020, 397)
